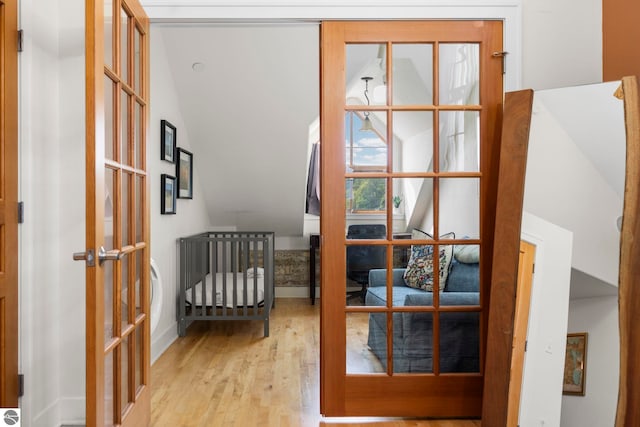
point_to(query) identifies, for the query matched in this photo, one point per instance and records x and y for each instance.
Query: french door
(409, 114)
(117, 214)
(8, 204)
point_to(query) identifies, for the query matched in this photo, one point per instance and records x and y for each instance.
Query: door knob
(103, 255)
(87, 256)
(112, 255)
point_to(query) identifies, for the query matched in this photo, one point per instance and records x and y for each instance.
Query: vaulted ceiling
(248, 94)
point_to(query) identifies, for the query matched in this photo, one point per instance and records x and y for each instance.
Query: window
(366, 151)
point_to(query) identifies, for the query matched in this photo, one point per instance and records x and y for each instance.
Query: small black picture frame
(184, 172)
(168, 137)
(168, 189)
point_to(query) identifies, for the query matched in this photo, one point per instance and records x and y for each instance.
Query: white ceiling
(248, 113)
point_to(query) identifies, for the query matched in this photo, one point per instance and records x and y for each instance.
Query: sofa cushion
(469, 254)
(463, 277)
(419, 272)
(378, 295)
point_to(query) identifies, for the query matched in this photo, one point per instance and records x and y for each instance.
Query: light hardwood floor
(227, 374)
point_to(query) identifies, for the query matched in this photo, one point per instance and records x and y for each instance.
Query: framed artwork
(168, 135)
(184, 172)
(575, 364)
(168, 189)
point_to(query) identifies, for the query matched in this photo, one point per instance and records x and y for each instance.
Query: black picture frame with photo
(184, 173)
(168, 138)
(168, 190)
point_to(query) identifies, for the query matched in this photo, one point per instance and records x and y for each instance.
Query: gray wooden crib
(225, 275)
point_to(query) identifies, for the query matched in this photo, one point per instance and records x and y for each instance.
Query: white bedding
(220, 286)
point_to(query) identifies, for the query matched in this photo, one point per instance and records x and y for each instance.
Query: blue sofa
(412, 332)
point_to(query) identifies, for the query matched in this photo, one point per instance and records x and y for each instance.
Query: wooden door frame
(521, 322)
(9, 201)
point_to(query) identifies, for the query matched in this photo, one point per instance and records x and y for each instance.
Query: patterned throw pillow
(419, 272)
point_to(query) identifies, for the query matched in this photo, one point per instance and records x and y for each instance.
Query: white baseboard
(162, 341)
(295, 292)
(73, 410)
(49, 417)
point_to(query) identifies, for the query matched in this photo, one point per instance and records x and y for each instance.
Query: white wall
(563, 187)
(52, 187)
(191, 214)
(599, 318)
(561, 43)
(541, 396)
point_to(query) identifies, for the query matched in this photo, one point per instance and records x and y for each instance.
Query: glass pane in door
(124, 46)
(139, 362)
(415, 205)
(109, 105)
(365, 352)
(412, 74)
(365, 74)
(460, 207)
(138, 128)
(125, 151)
(365, 141)
(413, 342)
(125, 397)
(109, 390)
(127, 194)
(459, 74)
(412, 141)
(125, 298)
(366, 195)
(138, 282)
(460, 340)
(137, 60)
(108, 33)
(139, 207)
(459, 141)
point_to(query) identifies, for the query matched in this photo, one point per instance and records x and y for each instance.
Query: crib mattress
(223, 286)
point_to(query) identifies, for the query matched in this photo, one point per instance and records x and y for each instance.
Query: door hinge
(20, 39)
(20, 212)
(20, 385)
(526, 343)
(502, 54)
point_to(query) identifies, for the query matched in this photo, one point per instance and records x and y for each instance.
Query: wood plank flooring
(227, 374)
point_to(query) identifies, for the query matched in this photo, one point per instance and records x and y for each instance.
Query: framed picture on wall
(168, 190)
(575, 364)
(168, 138)
(184, 172)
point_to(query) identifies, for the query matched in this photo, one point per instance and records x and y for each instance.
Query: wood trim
(94, 135)
(332, 224)
(620, 31)
(508, 220)
(628, 411)
(521, 322)
(9, 205)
